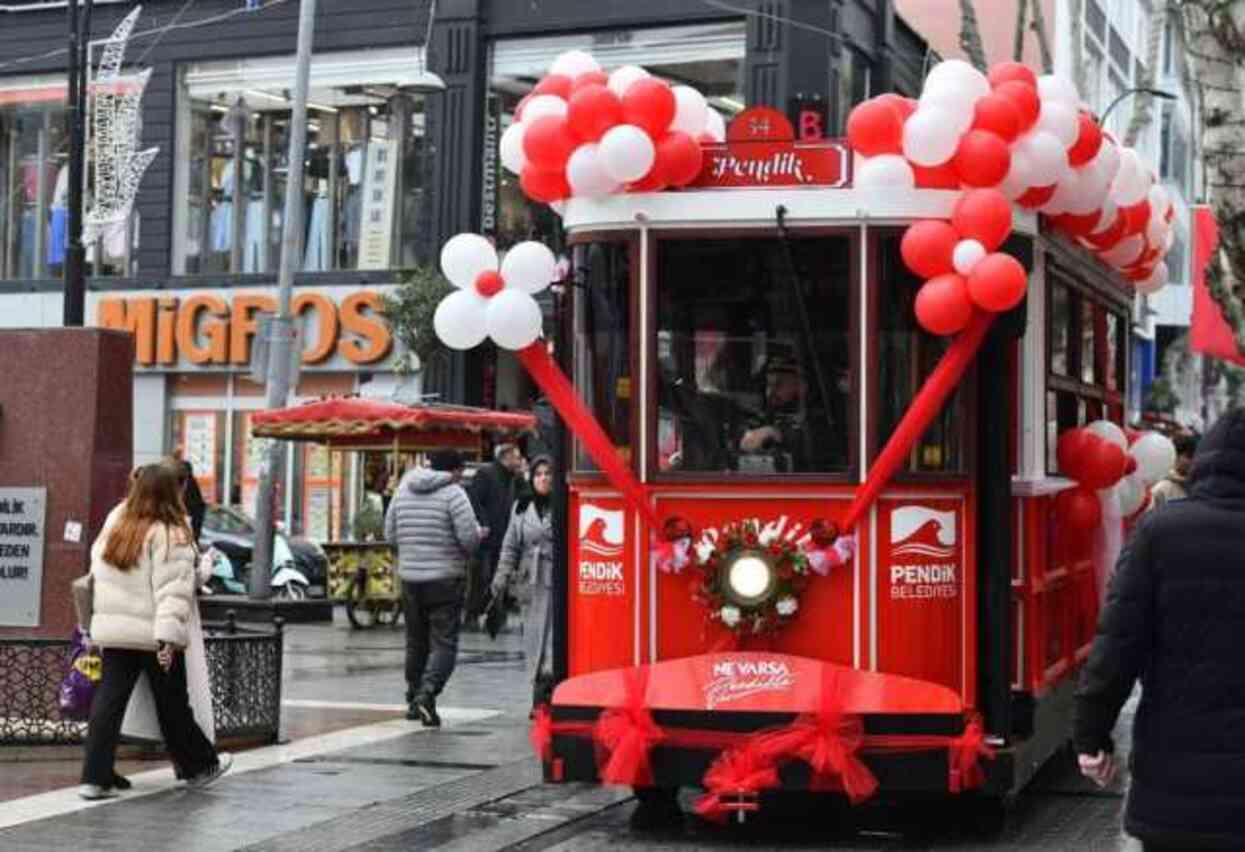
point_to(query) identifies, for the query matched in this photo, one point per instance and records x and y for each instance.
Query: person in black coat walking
(1175, 618)
(493, 491)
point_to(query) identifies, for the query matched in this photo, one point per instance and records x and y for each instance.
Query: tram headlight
(750, 577)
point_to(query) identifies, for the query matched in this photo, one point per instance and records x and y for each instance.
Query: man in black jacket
(1175, 618)
(493, 492)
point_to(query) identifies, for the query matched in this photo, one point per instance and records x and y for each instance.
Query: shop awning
(357, 423)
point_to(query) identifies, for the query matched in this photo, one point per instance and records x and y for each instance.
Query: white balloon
(1131, 182)
(543, 105)
(1109, 213)
(967, 254)
(1052, 87)
(512, 319)
(464, 257)
(1156, 231)
(952, 106)
(1159, 201)
(1108, 159)
(586, 175)
(512, 156)
(558, 207)
(1047, 157)
(1131, 492)
(459, 321)
(622, 78)
(529, 266)
(957, 74)
(626, 153)
(1157, 280)
(1155, 455)
(1124, 253)
(1060, 120)
(1169, 240)
(573, 63)
(884, 170)
(690, 111)
(930, 137)
(1087, 195)
(1019, 175)
(1108, 431)
(715, 125)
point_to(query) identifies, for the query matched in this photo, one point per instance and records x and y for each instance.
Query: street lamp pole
(76, 98)
(1157, 93)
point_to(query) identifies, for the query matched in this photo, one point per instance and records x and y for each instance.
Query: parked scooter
(287, 581)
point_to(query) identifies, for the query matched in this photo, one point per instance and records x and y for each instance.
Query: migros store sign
(339, 327)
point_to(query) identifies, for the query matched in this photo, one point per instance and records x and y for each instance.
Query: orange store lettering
(206, 329)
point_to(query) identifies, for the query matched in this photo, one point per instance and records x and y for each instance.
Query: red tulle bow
(828, 743)
(541, 735)
(966, 770)
(739, 772)
(625, 735)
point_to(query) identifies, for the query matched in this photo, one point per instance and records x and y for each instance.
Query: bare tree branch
(1039, 27)
(1018, 47)
(970, 36)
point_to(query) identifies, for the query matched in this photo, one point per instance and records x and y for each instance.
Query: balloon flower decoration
(1113, 477)
(583, 132)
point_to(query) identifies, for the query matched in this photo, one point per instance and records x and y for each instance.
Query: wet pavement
(356, 775)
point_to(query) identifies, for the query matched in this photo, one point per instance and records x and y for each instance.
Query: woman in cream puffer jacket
(143, 565)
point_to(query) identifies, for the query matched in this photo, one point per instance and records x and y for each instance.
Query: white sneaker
(211, 776)
(94, 792)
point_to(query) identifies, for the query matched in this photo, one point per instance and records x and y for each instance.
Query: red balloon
(649, 103)
(1025, 99)
(489, 283)
(590, 78)
(544, 186)
(936, 177)
(984, 215)
(548, 143)
(592, 111)
(554, 84)
(904, 106)
(927, 247)
(1036, 196)
(706, 138)
(1070, 452)
(982, 159)
(1078, 226)
(1138, 273)
(943, 306)
(1104, 465)
(1130, 467)
(1105, 239)
(679, 158)
(1088, 141)
(875, 127)
(1136, 217)
(998, 115)
(997, 283)
(1078, 508)
(1006, 72)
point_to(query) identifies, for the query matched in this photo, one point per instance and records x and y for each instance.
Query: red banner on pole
(1209, 332)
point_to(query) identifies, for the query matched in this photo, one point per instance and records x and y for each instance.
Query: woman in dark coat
(1175, 618)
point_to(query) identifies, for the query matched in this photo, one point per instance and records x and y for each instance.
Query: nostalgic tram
(809, 545)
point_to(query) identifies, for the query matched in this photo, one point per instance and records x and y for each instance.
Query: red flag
(1210, 333)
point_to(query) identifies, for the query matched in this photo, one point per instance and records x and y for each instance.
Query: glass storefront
(362, 171)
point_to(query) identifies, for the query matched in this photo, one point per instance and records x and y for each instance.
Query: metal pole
(75, 257)
(282, 328)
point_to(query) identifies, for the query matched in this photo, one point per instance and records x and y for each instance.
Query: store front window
(708, 57)
(754, 355)
(362, 170)
(34, 187)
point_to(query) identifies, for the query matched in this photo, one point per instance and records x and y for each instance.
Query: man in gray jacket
(434, 528)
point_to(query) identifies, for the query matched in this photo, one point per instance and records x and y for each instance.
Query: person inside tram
(793, 434)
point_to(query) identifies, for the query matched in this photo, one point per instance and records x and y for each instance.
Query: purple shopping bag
(78, 687)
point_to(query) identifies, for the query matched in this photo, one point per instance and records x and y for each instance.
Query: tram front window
(753, 356)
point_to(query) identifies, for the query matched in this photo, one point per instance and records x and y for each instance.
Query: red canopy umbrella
(355, 423)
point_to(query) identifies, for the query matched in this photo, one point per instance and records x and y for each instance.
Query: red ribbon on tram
(562, 396)
(625, 735)
(924, 408)
(739, 773)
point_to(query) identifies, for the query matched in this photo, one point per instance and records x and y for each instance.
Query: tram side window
(602, 340)
(745, 385)
(906, 356)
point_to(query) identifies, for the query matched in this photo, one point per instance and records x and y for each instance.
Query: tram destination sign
(22, 513)
(761, 151)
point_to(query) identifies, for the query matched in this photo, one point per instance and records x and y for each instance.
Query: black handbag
(495, 616)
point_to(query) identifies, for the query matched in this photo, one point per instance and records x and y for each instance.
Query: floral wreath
(775, 573)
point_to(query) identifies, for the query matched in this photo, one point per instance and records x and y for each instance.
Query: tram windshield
(753, 354)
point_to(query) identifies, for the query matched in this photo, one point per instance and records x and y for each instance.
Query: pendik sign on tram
(761, 151)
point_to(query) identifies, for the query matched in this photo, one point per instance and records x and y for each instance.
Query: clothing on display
(58, 224)
(253, 247)
(319, 241)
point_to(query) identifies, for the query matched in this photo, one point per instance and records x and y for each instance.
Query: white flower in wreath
(768, 536)
(730, 615)
(704, 549)
(787, 606)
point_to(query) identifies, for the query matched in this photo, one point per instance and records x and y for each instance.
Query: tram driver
(790, 435)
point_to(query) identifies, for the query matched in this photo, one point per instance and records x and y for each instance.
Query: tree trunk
(1039, 27)
(1214, 34)
(1144, 104)
(970, 36)
(1018, 47)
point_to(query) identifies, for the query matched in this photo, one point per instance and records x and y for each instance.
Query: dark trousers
(480, 571)
(433, 612)
(188, 747)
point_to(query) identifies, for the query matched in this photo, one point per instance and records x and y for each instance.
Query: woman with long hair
(143, 564)
(526, 567)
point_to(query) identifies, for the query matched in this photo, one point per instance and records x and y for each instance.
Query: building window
(744, 385)
(1093, 77)
(1087, 360)
(1176, 259)
(708, 57)
(853, 78)
(1119, 52)
(602, 351)
(906, 356)
(1096, 20)
(1169, 34)
(34, 187)
(363, 164)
